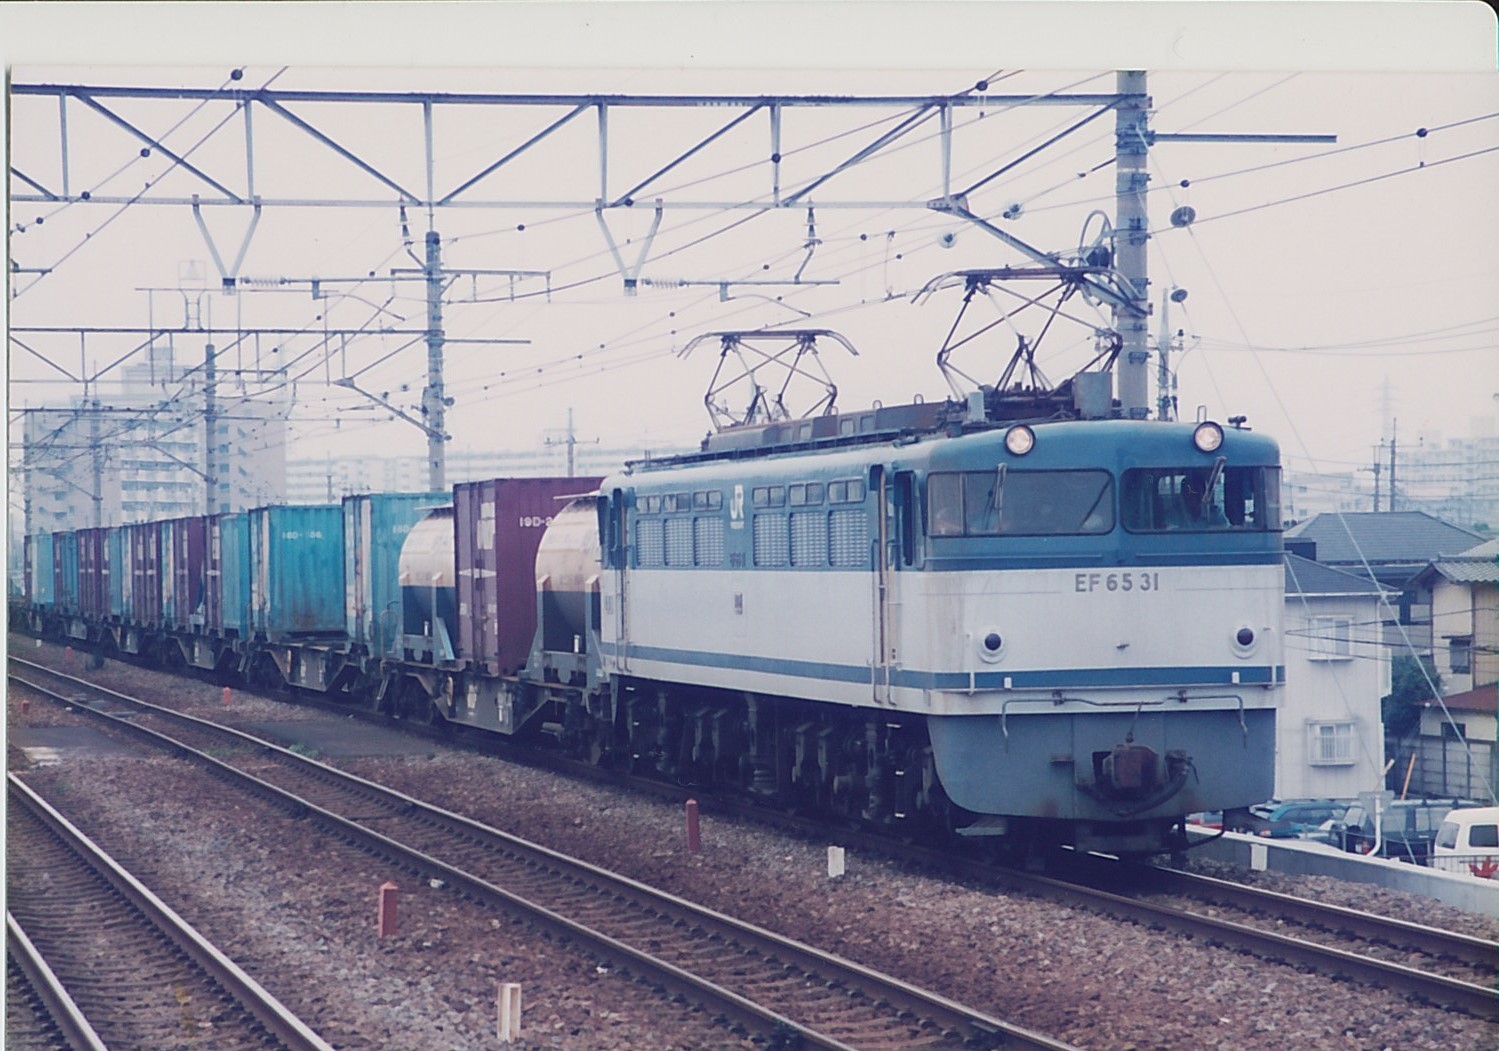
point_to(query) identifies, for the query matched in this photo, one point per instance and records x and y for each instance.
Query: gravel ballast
(298, 908)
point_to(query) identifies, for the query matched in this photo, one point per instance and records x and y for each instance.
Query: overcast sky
(1330, 289)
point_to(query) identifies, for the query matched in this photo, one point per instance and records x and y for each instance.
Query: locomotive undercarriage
(870, 769)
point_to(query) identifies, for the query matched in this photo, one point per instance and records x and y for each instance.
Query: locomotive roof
(1065, 443)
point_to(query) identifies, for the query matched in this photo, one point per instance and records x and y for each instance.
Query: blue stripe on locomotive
(1032, 679)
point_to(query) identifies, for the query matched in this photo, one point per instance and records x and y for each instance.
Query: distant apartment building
(138, 454)
(332, 478)
(1454, 479)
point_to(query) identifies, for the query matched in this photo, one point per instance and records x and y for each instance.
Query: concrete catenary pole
(1131, 234)
(434, 404)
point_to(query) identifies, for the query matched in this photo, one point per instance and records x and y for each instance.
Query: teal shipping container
(42, 578)
(228, 612)
(119, 575)
(65, 581)
(375, 527)
(297, 572)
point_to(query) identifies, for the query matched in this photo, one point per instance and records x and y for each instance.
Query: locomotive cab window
(1019, 503)
(1201, 499)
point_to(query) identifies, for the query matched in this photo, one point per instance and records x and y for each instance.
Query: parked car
(1468, 841)
(1408, 827)
(1285, 818)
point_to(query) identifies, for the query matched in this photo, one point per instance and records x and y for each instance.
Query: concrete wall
(1297, 858)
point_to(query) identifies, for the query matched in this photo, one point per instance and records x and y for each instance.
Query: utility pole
(433, 403)
(1165, 383)
(1131, 232)
(1394, 429)
(97, 451)
(210, 435)
(571, 441)
(1376, 469)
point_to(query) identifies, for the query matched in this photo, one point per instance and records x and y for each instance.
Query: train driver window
(1020, 503)
(1201, 499)
(944, 503)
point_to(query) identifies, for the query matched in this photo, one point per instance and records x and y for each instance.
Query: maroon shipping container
(93, 573)
(497, 526)
(188, 562)
(144, 539)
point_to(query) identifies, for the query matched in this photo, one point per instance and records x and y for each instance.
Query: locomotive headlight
(1245, 641)
(1020, 440)
(1207, 437)
(990, 645)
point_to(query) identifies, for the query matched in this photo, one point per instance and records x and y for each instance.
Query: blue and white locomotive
(925, 617)
(1061, 632)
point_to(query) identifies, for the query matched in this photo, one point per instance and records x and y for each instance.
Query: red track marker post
(389, 894)
(67, 656)
(694, 837)
(227, 694)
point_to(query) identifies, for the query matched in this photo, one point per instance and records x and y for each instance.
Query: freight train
(921, 617)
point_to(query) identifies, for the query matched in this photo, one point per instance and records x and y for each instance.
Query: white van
(1468, 842)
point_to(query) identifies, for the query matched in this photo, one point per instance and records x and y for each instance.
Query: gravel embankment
(302, 911)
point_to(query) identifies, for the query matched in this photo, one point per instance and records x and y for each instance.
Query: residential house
(1390, 548)
(1456, 753)
(1330, 738)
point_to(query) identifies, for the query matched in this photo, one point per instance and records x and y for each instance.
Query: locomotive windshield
(1198, 499)
(1019, 503)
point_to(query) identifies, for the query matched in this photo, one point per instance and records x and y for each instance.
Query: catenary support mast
(433, 400)
(1132, 232)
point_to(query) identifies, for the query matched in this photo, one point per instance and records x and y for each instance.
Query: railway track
(1454, 970)
(107, 964)
(39, 1013)
(753, 980)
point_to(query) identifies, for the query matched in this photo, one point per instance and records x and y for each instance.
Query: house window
(1460, 653)
(1330, 744)
(1331, 638)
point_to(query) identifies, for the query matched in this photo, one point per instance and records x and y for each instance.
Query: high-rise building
(139, 454)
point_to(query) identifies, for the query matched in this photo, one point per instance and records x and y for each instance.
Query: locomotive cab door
(613, 526)
(886, 550)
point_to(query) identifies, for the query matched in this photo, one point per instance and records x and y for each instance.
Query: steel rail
(963, 1024)
(295, 1034)
(61, 1010)
(1480, 1001)
(1471, 998)
(1464, 948)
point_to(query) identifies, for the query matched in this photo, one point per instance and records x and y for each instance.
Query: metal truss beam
(917, 111)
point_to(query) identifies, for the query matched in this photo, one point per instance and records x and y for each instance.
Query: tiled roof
(1477, 565)
(1305, 577)
(1479, 699)
(1401, 537)
(1468, 570)
(1489, 549)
